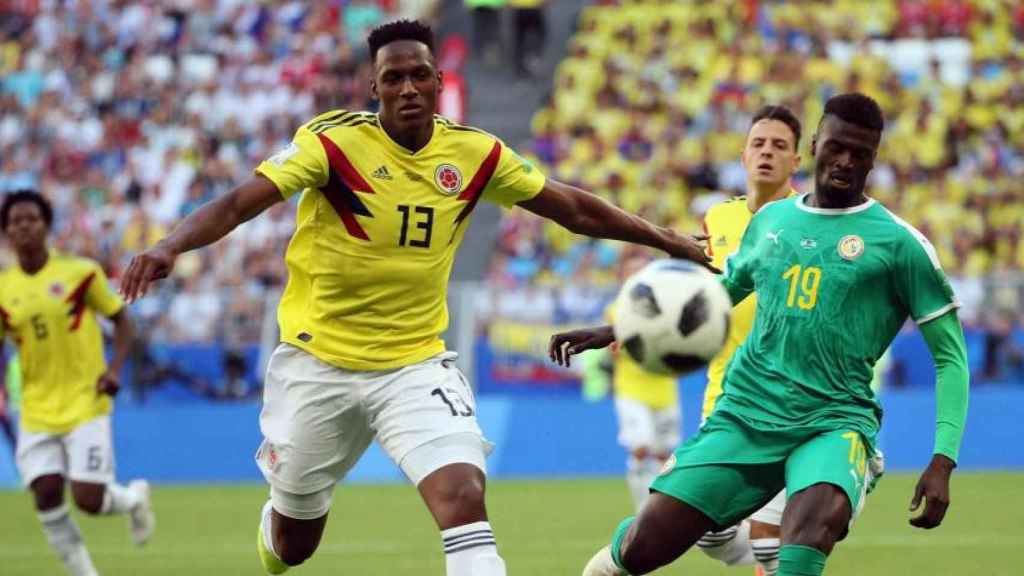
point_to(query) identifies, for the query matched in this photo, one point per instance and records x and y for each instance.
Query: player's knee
(293, 551)
(88, 497)
(643, 549)
(48, 491)
(462, 503)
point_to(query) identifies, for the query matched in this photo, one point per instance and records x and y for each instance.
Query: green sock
(620, 533)
(797, 560)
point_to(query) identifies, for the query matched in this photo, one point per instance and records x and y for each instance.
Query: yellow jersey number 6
(807, 282)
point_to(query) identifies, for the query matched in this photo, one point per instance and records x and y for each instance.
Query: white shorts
(86, 454)
(318, 419)
(643, 426)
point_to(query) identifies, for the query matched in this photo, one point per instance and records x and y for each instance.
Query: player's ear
(814, 145)
(373, 90)
(440, 80)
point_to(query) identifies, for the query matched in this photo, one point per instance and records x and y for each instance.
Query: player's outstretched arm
(211, 222)
(587, 214)
(945, 338)
(566, 344)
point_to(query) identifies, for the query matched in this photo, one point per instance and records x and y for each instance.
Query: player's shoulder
(344, 120)
(905, 234)
(73, 264)
(728, 209)
(462, 135)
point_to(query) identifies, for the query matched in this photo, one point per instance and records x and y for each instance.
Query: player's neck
(412, 139)
(757, 197)
(817, 199)
(33, 260)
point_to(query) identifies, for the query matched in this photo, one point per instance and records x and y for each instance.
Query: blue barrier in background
(536, 436)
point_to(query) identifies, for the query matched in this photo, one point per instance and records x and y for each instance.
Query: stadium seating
(650, 107)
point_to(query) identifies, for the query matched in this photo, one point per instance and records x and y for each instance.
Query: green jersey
(834, 286)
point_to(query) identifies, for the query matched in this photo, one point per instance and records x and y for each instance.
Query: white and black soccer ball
(672, 316)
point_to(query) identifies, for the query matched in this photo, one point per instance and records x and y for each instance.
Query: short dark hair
(857, 109)
(782, 114)
(399, 30)
(25, 196)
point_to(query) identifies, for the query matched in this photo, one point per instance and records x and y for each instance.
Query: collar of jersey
(402, 149)
(801, 204)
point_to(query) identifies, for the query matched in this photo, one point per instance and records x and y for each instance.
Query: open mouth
(764, 167)
(840, 180)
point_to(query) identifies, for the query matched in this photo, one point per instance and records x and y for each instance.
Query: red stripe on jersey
(77, 301)
(341, 186)
(476, 186)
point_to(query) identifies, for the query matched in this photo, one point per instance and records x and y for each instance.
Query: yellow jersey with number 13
(51, 316)
(377, 230)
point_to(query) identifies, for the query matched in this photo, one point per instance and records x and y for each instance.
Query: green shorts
(729, 470)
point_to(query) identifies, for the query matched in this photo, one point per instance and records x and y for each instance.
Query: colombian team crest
(850, 247)
(448, 179)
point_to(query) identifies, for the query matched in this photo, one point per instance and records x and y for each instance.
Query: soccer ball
(672, 316)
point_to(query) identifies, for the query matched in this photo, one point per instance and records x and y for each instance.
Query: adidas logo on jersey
(382, 173)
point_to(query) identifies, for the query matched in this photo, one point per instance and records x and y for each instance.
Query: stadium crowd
(651, 106)
(129, 114)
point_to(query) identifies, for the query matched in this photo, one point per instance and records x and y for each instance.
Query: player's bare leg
(815, 519)
(765, 540)
(664, 530)
(294, 540)
(110, 499)
(61, 530)
(454, 494)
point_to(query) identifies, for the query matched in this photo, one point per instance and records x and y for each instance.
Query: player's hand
(145, 268)
(933, 487)
(688, 247)
(109, 383)
(566, 344)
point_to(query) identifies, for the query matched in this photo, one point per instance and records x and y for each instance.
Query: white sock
(766, 552)
(266, 519)
(470, 550)
(64, 537)
(118, 499)
(730, 546)
(639, 475)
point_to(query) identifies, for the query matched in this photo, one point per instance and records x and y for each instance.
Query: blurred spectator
(487, 29)
(529, 35)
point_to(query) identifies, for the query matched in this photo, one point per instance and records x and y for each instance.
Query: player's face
(407, 83)
(25, 226)
(844, 156)
(770, 156)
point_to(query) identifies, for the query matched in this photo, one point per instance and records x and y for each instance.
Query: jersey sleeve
(515, 179)
(100, 297)
(921, 284)
(299, 165)
(738, 275)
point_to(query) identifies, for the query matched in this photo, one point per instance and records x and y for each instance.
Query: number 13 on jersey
(806, 281)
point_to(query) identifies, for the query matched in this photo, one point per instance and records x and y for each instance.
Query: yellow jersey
(725, 224)
(631, 381)
(377, 231)
(51, 316)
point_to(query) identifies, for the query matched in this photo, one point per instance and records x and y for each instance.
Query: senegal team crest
(448, 179)
(850, 247)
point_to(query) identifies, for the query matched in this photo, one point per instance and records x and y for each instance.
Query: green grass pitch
(543, 527)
